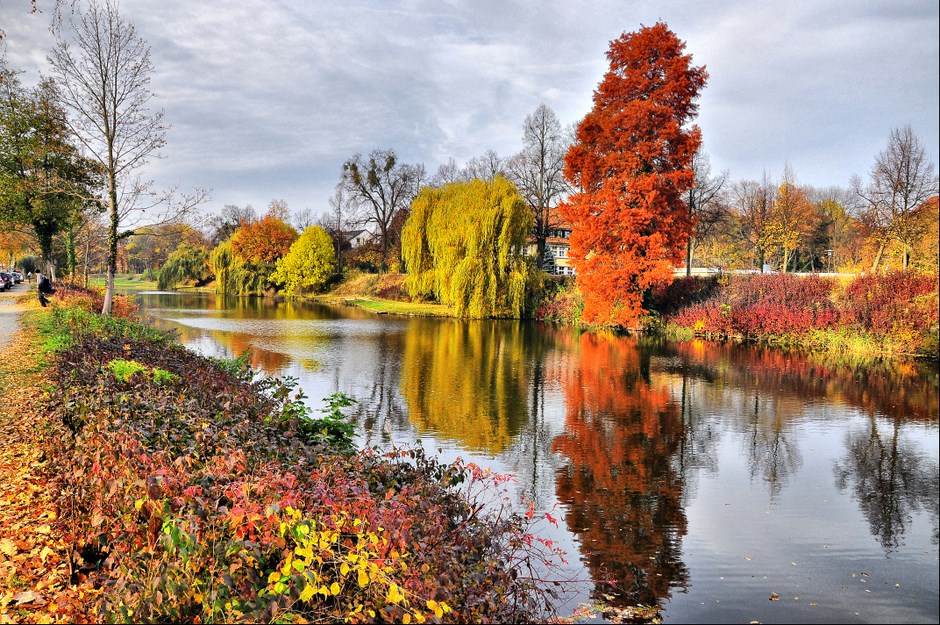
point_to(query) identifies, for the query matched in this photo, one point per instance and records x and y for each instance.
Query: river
(728, 483)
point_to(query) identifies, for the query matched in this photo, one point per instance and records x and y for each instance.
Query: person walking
(44, 287)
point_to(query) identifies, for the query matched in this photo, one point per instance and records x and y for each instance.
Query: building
(557, 243)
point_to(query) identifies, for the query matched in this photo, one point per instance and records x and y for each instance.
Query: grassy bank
(381, 294)
(189, 490)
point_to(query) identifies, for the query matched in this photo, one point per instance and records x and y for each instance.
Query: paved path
(10, 311)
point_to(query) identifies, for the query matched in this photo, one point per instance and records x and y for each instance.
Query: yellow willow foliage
(467, 380)
(465, 244)
(220, 259)
(232, 275)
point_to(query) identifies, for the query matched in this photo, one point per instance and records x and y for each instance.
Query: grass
(126, 282)
(391, 307)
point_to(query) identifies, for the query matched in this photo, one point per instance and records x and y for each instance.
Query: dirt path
(34, 570)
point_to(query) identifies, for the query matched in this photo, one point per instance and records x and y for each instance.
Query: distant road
(10, 312)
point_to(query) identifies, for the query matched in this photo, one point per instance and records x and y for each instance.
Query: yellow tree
(792, 218)
(464, 244)
(309, 263)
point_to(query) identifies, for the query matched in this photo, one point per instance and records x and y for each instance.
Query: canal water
(726, 483)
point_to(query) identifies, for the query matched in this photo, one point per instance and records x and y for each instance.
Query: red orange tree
(631, 163)
(263, 241)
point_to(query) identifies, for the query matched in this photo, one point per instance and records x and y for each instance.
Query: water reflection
(621, 484)
(890, 478)
(640, 443)
(467, 381)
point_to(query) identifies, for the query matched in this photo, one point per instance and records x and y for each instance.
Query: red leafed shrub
(898, 309)
(681, 293)
(883, 303)
(759, 305)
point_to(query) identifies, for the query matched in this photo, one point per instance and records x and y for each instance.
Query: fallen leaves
(34, 567)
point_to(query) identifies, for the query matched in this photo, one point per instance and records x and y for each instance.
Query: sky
(266, 99)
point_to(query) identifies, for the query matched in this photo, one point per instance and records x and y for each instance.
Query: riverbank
(383, 294)
(180, 506)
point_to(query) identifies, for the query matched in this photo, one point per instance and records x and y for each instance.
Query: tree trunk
(112, 242)
(874, 266)
(688, 258)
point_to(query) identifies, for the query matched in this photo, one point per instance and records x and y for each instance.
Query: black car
(6, 281)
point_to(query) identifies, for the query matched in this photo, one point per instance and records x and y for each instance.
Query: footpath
(36, 583)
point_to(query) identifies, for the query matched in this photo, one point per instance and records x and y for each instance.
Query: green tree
(45, 183)
(464, 244)
(309, 263)
(234, 276)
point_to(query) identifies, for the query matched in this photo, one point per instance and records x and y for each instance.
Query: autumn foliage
(263, 241)
(898, 311)
(194, 491)
(631, 161)
(464, 244)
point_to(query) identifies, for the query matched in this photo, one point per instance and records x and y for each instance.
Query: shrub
(214, 500)
(899, 310)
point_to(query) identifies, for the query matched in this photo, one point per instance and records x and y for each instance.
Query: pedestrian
(44, 287)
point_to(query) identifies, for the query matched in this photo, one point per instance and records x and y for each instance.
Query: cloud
(267, 99)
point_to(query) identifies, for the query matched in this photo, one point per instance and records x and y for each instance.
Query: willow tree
(464, 244)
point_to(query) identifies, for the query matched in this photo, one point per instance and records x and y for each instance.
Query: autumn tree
(704, 200)
(538, 169)
(104, 76)
(631, 165)
(837, 241)
(381, 187)
(753, 204)
(791, 219)
(465, 245)
(265, 240)
(900, 183)
(309, 264)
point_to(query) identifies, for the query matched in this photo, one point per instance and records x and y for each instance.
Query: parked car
(17, 276)
(6, 281)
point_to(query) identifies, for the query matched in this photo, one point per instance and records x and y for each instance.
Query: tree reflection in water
(889, 479)
(621, 487)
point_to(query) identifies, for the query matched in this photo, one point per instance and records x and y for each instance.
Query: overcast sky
(266, 99)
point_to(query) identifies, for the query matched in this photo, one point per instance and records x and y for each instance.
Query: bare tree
(704, 202)
(447, 173)
(304, 219)
(901, 182)
(228, 221)
(337, 222)
(105, 82)
(537, 171)
(381, 188)
(485, 167)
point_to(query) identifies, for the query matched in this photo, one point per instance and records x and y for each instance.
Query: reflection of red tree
(268, 361)
(620, 486)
